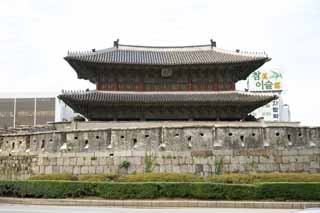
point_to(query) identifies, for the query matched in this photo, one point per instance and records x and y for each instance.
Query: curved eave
(223, 98)
(90, 74)
(82, 73)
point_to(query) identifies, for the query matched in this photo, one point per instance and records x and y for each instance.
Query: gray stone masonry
(195, 147)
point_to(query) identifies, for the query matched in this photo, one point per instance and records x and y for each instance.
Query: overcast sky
(35, 35)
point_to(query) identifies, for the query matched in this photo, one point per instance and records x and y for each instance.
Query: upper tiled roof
(211, 97)
(147, 55)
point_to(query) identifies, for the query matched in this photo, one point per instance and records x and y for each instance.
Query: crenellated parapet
(161, 138)
(176, 147)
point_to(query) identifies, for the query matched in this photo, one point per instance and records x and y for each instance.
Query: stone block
(59, 161)
(114, 169)
(196, 160)
(106, 169)
(66, 161)
(110, 161)
(43, 155)
(208, 168)
(43, 161)
(162, 168)
(120, 153)
(284, 167)
(87, 161)
(52, 161)
(72, 161)
(285, 159)
(235, 167)
(264, 167)
(235, 159)
(94, 161)
(138, 153)
(181, 160)
(76, 170)
(299, 167)
(175, 160)
(305, 152)
(35, 169)
(223, 152)
(176, 169)
(66, 169)
(226, 160)
(189, 160)
(131, 169)
(84, 170)
(169, 168)
(80, 161)
(42, 169)
(138, 160)
(92, 169)
(266, 159)
(102, 161)
(48, 170)
(291, 167)
(100, 154)
(56, 169)
(68, 154)
(290, 152)
(314, 165)
(167, 160)
(316, 151)
(84, 154)
(54, 155)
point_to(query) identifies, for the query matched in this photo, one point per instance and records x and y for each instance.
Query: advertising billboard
(265, 81)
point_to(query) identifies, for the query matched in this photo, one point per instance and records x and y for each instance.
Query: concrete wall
(203, 150)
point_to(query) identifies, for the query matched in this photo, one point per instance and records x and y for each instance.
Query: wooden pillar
(116, 82)
(98, 82)
(141, 82)
(189, 81)
(217, 115)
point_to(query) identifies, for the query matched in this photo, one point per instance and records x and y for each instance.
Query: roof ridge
(240, 92)
(165, 47)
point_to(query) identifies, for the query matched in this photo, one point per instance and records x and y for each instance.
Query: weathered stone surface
(183, 149)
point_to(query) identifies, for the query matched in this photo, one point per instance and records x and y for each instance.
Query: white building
(32, 108)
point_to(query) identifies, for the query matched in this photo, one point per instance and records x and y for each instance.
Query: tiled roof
(134, 98)
(144, 55)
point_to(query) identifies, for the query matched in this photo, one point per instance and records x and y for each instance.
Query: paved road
(8, 208)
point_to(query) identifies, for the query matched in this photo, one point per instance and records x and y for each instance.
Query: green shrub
(289, 191)
(218, 165)
(180, 177)
(124, 164)
(128, 190)
(46, 189)
(161, 177)
(149, 162)
(194, 190)
(223, 191)
(63, 189)
(56, 176)
(99, 177)
(264, 177)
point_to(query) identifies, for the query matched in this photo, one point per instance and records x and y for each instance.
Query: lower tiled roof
(135, 98)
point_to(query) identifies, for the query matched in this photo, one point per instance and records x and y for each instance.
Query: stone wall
(200, 149)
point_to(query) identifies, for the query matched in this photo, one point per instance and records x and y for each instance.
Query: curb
(162, 203)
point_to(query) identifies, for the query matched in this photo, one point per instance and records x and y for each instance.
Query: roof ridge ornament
(213, 43)
(116, 43)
